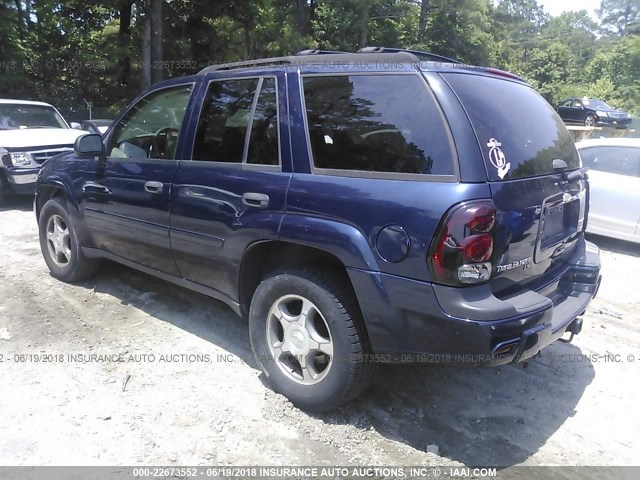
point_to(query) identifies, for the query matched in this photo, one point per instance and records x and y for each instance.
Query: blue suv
(357, 208)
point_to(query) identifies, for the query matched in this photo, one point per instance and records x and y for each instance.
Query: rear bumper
(413, 321)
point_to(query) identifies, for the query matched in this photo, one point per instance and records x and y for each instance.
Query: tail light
(462, 249)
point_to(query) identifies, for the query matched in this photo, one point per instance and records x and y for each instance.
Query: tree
(519, 23)
(620, 16)
(157, 38)
(124, 40)
(102, 52)
(422, 24)
(459, 29)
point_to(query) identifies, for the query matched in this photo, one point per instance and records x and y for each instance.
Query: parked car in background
(98, 126)
(592, 113)
(614, 178)
(357, 208)
(30, 133)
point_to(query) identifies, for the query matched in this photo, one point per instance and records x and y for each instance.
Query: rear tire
(309, 338)
(59, 244)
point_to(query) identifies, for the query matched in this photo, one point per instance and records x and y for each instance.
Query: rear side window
(618, 160)
(376, 123)
(519, 133)
(236, 112)
(263, 144)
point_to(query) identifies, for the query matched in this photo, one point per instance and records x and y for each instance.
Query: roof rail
(315, 51)
(263, 62)
(428, 56)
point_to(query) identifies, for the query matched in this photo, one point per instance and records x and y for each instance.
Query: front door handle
(257, 200)
(153, 187)
(95, 188)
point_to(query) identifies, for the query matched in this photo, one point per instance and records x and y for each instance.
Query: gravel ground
(173, 381)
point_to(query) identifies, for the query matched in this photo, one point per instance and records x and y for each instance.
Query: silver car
(614, 178)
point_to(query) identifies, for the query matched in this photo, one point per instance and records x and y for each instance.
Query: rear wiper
(560, 166)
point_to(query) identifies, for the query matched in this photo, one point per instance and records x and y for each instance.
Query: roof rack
(262, 62)
(269, 62)
(314, 51)
(428, 56)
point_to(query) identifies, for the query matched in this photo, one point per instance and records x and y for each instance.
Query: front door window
(152, 127)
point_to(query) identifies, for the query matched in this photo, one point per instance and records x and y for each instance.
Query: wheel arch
(263, 257)
(53, 189)
(46, 192)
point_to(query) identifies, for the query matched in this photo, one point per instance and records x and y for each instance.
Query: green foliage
(73, 51)
(620, 16)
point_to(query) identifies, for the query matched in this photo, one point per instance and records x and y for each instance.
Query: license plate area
(560, 220)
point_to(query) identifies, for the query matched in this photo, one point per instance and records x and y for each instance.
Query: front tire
(590, 121)
(309, 339)
(59, 244)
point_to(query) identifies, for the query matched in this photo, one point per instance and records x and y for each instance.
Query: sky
(556, 7)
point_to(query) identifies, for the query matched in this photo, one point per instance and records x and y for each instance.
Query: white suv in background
(30, 133)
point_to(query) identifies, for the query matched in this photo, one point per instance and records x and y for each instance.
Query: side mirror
(76, 125)
(89, 146)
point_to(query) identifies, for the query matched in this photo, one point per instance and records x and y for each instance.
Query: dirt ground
(173, 381)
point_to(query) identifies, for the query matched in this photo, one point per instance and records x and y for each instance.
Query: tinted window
(151, 127)
(382, 123)
(263, 146)
(619, 160)
(224, 120)
(530, 132)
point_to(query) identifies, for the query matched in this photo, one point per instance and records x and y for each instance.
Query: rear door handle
(153, 187)
(95, 187)
(257, 200)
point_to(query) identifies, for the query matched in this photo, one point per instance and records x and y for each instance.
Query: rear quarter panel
(366, 206)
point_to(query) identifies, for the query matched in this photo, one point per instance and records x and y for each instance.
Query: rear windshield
(519, 132)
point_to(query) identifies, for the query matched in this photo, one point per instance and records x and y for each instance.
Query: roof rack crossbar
(315, 51)
(418, 53)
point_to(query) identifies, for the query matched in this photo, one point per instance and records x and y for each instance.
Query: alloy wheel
(299, 339)
(59, 240)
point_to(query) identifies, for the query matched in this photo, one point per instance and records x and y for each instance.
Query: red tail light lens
(478, 248)
(483, 218)
(463, 247)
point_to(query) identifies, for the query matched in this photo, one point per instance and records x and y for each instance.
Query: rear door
(564, 110)
(233, 190)
(614, 177)
(126, 200)
(576, 112)
(540, 212)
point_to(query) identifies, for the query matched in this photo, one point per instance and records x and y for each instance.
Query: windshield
(18, 116)
(596, 104)
(519, 132)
